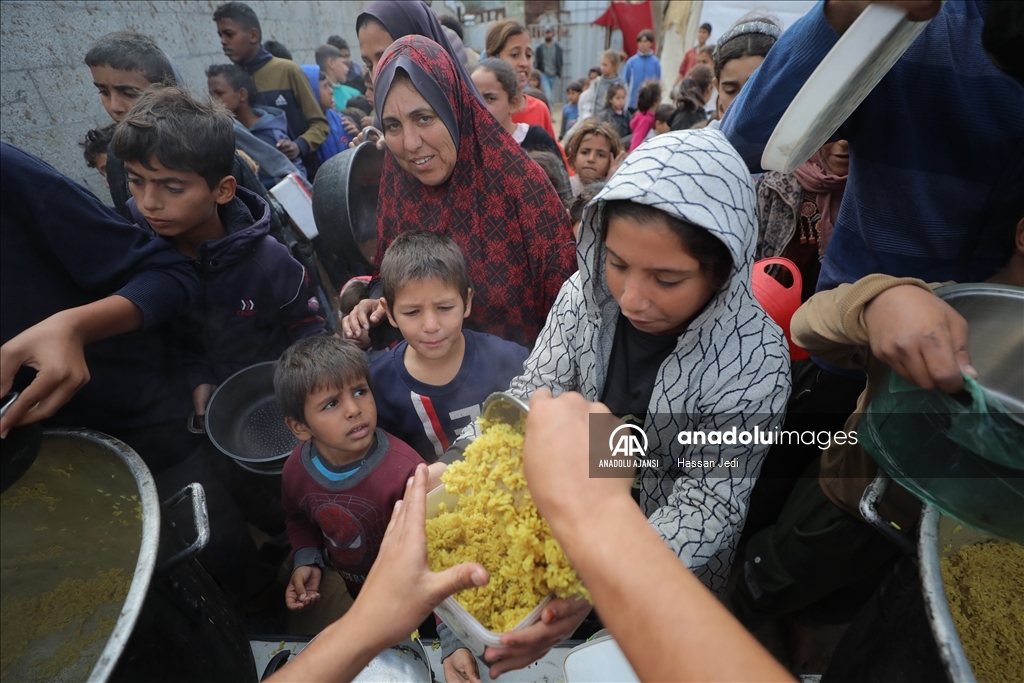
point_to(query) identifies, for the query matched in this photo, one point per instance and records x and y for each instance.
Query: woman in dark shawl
(479, 187)
(398, 19)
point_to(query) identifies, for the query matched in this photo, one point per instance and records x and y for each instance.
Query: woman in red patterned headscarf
(452, 168)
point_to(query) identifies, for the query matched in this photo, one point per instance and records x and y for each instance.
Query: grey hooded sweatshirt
(730, 366)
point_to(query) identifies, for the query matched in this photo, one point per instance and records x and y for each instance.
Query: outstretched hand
(55, 351)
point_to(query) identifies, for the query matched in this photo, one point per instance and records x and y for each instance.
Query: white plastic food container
(470, 631)
(600, 660)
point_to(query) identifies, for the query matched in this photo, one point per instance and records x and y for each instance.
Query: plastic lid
(851, 70)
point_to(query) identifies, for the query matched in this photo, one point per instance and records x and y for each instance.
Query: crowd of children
(645, 305)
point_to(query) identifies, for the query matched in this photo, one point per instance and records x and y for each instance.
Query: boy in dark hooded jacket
(256, 299)
(232, 86)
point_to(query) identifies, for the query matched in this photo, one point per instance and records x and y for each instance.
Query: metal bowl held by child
(245, 421)
(964, 453)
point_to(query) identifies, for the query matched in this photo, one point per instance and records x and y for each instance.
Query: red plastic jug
(779, 301)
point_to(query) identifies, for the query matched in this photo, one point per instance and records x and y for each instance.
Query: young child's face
(222, 91)
(429, 313)
(337, 69)
(705, 59)
(340, 421)
(573, 96)
(702, 36)
(518, 53)
(661, 127)
(594, 158)
(118, 88)
(326, 94)
(659, 287)
(644, 45)
(495, 97)
(534, 81)
(735, 74)
(369, 94)
(594, 73)
(176, 204)
(238, 44)
(346, 57)
(608, 70)
(619, 100)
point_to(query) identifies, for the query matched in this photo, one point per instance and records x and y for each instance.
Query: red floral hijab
(498, 205)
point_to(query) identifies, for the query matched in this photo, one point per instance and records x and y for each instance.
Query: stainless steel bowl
(995, 319)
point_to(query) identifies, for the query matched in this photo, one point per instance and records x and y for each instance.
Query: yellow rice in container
(984, 586)
(497, 525)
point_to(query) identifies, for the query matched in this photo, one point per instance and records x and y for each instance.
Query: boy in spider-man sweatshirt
(342, 482)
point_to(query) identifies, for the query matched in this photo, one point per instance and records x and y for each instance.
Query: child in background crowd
(753, 35)
(641, 67)
(256, 298)
(704, 78)
(368, 93)
(231, 85)
(434, 383)
(499, 87)
(571, 111)
(534, 80)
(663, 118)
(642, 123)
(333, 64)
(615, 113)
(94, 148)
(509, 41)
(341, 483)
(279, 82)
(594, 152)
(689, 102)
(339, 137)
(609, 78)
(356, 77)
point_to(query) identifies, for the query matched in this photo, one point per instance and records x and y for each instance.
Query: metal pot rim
(150, 501)
(947, 640)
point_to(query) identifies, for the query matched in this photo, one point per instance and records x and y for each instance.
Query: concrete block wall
(47, 99)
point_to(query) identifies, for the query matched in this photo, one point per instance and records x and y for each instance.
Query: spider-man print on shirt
(352, 527)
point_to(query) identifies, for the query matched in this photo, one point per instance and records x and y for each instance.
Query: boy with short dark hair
(433, 384)
(571, 111)
(232, 86)
(257, 299)
(94, 148)
(355, 71)
(336, 67)
(642, 67)
(342, 482)
(279, 82)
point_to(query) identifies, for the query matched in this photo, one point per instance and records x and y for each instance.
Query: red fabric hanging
(630, 18)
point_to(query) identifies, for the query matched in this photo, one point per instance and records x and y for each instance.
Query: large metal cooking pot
(246, 423)
(345, 202)
(906, 631)
(96, 587)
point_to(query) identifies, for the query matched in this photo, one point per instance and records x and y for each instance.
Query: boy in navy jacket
(432, 385)
(256, 299)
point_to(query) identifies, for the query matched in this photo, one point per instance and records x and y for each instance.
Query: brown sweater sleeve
(830, 325)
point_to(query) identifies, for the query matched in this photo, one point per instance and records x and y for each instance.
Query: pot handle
(193, 425)
(202, 522)
(279, 660)
(869, 511)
